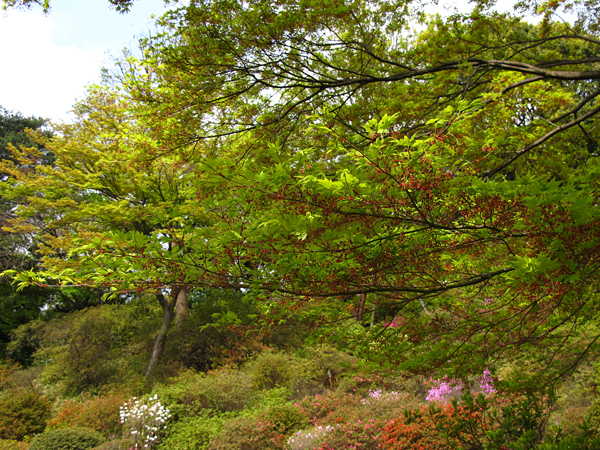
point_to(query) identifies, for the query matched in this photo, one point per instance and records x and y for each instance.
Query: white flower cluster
(378, 395)
(308, 438)
(142, 420)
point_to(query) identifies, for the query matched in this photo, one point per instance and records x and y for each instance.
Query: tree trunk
(182, 307)
(168, 307)
(373, 311)
(361, 307)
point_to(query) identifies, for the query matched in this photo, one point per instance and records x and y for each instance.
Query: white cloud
(39, 77)
(46, 61)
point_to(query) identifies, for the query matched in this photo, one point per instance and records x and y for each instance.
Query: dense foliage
(418, 193)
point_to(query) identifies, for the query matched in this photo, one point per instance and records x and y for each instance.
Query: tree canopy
(307, 152)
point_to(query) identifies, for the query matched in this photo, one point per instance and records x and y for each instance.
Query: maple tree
(451, 171)
(98, 185)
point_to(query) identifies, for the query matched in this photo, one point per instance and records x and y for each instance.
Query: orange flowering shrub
(98, 413)
(429, 428)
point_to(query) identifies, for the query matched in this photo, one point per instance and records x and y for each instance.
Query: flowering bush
(249, 433)
(98, 413)
(348, 420)
(491, 422)
(446, 389)
(309, 439)
(378, 395)
(142, 421)
(486, 384)
(426, 428)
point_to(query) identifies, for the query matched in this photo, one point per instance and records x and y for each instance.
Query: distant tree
(16, 308)
(19, 246)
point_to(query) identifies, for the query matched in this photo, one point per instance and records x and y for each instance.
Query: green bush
(195, 433)
(326, 364)
(225, 390)
(286, 418)
(180, 395)
(270, 370)
(22, 413)
(310, 372)
(593, 416)
(66, 439)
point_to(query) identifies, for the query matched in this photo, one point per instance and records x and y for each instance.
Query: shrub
(248, 433)
(23, 413)
(345, 420)
(593, 416)
(66, 439)
(98, 413)
(326, 364)
(180, 395)
(331, 408)
(223, 390)
(309, 439)
(491, 422)
(584, 439)
(286, 418)
(116, 444)
(419, 429)
(7, 369)
(195, 433)
(355, 434)
(11, 444)
(270, 370)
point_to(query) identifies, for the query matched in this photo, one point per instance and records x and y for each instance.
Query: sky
(46, 62)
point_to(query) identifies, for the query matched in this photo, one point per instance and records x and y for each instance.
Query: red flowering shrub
(353, 434)
(329, 408)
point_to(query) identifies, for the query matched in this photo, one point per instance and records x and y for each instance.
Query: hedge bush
(23, 413)
(194, 433)
(66, 439)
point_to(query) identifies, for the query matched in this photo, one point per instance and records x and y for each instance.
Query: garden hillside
(254, 385)
(312, 224)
